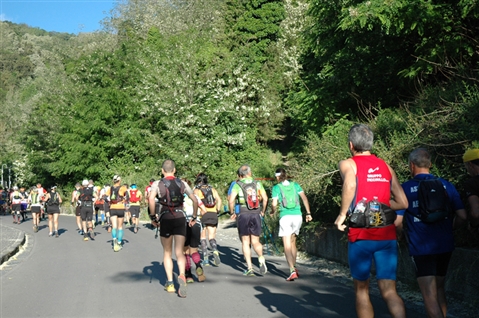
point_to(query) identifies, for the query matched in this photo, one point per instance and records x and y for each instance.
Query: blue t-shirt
(429, 238)
(237, 206)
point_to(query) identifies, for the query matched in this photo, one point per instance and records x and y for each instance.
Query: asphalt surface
(67, 277)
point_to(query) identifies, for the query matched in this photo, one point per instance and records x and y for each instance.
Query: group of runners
(42, 203)
(182, 212)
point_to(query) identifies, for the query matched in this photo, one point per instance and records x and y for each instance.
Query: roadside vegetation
(214, 84)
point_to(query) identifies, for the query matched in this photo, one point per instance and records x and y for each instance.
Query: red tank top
(373, 179)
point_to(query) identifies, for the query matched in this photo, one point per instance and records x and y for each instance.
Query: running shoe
(296, 271)
(248, 272)
(183, 286)
(85, 237)
(50, 234)
(92, 233)
(292, 277)
(200, 273)
(117, 247)
(135, 230)
(169, 287)
(56, 234)
(262, 265)
(206, 262)
(102, 223)
(81, 232)
(189, 277)
(35, 228)
(216, 258)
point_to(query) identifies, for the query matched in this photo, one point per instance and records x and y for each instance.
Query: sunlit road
(67, 277)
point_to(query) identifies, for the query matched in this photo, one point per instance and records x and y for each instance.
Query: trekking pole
(264, 235)
(223, 213)
(268, 232)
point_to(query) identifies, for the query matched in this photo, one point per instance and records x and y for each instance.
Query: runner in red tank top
(366, 176)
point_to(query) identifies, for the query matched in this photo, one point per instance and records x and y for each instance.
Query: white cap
(15, 188)
(116, 178)
(84, 183)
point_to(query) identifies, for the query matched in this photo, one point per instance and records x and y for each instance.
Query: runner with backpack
(35, 206)
(87, 197)
(134, 202)
(252, 198)
(118, 195)
(193, 236)
(100, 205)
(435, 209)
(53, 201)
(127, 218)
(286, 195)
(76, 205)
(209, 220)
(16, 204)
(170, 192)
(24, 204)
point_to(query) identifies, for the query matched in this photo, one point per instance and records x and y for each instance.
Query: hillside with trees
(214, 84)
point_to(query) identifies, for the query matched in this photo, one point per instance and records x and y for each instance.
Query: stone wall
(462, 280)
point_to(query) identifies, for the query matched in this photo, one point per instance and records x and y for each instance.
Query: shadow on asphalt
(283, 303)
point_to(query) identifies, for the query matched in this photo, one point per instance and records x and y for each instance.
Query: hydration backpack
(433, 201)
(53, 199)
(115, 196)
(35, 198)
(134, 196)
(86, 194)
(174, 195)
(208, 197)
(290, 198)
(16, 195)
(250, 194)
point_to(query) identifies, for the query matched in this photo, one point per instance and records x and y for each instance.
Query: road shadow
(233, 257)
(284, 304)
(155, 272)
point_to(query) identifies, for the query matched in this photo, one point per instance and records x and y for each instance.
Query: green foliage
(379, 52)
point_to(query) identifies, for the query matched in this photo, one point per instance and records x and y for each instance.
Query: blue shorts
(362, 252)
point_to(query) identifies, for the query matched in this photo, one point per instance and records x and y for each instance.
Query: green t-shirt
(277, 195)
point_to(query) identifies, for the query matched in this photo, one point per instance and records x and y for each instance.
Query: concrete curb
(11, 239)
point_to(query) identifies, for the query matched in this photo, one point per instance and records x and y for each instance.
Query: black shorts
(36, 209)
(170, 227)
(106, 207)
(99, 207)
(431, 265)
(52, 209)
(193, 235)
(86, 213)
(135, 211)
(77, 211)
(210, 219)
(16, 207)
(117, 212)
(249, 224)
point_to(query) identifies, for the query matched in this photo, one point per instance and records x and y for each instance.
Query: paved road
(67, 277)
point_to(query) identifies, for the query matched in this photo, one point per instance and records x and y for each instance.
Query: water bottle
(358, 211)
(374, 208)
(360, 206)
